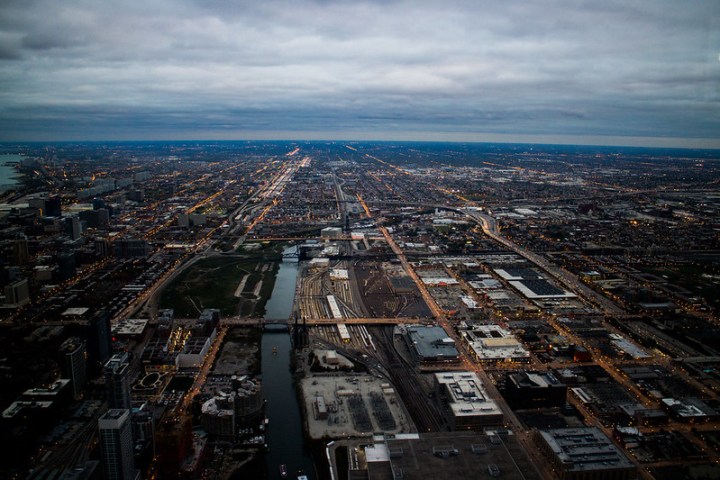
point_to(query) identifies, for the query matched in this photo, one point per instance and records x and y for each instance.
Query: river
(285, 434)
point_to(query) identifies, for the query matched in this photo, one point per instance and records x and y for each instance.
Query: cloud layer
(81, 69)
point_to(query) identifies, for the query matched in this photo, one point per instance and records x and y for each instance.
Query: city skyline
(614, 74)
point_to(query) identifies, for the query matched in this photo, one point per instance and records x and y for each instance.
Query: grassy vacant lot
(213, 283)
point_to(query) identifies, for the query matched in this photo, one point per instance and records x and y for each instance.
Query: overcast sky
(610, 72)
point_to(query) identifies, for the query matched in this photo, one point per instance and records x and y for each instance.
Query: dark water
(285, 433)
(8, 175)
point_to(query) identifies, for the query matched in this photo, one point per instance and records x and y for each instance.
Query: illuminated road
(570, 281)
(442, 320)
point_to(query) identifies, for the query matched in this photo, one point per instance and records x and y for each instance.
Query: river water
(285, 433)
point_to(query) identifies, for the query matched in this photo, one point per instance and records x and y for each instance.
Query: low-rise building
(534, 389)
(584, 453)
(469, 404)
(431, 344)
(492, 343)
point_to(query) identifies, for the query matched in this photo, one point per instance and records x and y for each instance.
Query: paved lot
(357, 404)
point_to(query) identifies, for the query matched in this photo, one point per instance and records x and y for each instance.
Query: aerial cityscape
(359, 240)
(345, 310)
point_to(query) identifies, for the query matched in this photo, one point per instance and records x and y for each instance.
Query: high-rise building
(102, 247)
(117, 381)
(48, 207)
(73, 363)
(53, 207)
(143, 434)
(17, 293)
(97, 338)
(20, 250)
(96, 218)
(116, 445)
(98, 203)
(128, 247)
(67, 266)
(73, 227)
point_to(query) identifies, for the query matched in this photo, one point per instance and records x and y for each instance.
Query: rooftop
(432, 343)
(585, 449)
(466, 394)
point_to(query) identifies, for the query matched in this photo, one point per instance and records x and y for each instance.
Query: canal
(285, 433)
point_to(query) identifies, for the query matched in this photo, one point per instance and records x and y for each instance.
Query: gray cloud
(231, 68)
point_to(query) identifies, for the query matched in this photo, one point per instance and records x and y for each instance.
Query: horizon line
(635, 142)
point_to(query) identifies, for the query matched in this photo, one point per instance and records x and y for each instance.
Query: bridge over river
(283, 322)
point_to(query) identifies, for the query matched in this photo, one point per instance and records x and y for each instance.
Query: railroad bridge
(285, 323)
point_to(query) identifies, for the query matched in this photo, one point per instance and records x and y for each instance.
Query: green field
(213, 283)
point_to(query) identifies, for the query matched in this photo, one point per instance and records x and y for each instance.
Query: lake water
(8, 175)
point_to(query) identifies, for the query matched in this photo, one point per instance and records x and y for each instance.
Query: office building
(73, 363)
(21, 253)
(98, 340)
(99, 218)
(117, 381)
(128, 247)
(116, 445)
(17, 293)
(72, 227)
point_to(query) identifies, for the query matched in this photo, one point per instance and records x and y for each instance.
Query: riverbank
(238, 284)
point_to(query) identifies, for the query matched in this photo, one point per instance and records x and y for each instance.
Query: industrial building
(453, 455)
(492, 343)
(534, 390)
(430, 344)
(584, 454)
(469, 404)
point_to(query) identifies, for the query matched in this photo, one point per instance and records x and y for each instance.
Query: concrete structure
(117, 381)
(534, 389)
(73, 363)
(116, 445)
(584, 454)
(470, 405)
(17, 293)
(430, 344)
(128, 247)
(445, 455)
(334, 308)
(248, 396)
(240, 400)
(143, 435)
(689, 409)
(492, 343)
(352, 405)
(59, 391)
(21, 254)
(130, 327)
(331, 232)
(194, 352)
(218, 415)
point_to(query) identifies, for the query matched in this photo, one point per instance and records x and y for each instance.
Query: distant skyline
(634, 73)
